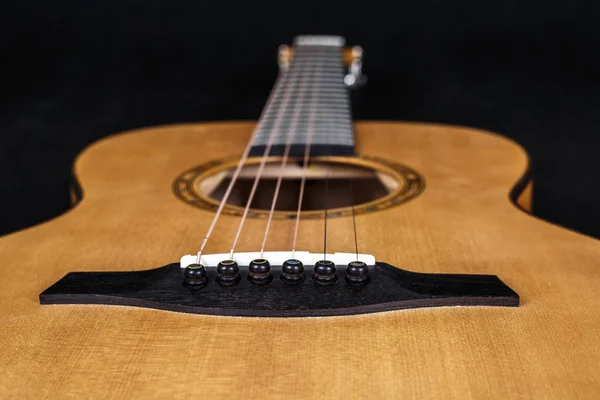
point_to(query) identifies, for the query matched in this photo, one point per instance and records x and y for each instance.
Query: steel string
(279, 81)
(354, 219)
(264, 158)
(288, 145)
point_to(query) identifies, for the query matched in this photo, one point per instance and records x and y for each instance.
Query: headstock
(352, 57)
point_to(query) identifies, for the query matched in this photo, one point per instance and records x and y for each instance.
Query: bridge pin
(357, 273)
(325, 273)
(292, 271)
(228, 273)
(260, 271)
(195, 276)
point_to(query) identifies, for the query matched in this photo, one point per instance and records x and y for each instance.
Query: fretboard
(309, 108)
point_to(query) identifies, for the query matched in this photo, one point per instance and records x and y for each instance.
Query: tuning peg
(355, 78)
(284, 56)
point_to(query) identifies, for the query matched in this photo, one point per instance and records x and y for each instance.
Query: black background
(75, 71)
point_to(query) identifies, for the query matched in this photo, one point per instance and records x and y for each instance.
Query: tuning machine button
(284, 57)
(228, 273)
(195, 276)
(325, 273)
(292, 271)
(355, 77)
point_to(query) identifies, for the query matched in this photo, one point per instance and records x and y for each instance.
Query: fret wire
(324, 126)
(320, 137)
(332, 123)
(322, 118)
(320, 123)
(333, 96)
(328, 115)
(335, 106)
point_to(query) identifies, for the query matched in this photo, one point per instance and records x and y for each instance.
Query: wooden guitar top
(463, 222)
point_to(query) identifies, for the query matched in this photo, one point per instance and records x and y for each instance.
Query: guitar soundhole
(335, 184)
(328, 187)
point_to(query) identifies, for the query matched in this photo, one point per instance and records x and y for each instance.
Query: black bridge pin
(325, 273)
(292, 271)
(195, 276)
(259, 271)
(228, 273)
(357, 273)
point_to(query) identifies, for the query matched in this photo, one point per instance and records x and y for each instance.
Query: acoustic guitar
(303, 256)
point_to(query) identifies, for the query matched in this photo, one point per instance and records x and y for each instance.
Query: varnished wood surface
(525, 198)
(462, 223)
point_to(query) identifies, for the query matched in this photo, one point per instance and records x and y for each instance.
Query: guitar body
(463, 222)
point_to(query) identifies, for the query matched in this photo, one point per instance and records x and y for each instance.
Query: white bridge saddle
(277, 258)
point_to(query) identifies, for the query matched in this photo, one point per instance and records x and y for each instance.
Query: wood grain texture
(525, 199)
(462, 223)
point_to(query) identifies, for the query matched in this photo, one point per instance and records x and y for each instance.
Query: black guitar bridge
(388, 288)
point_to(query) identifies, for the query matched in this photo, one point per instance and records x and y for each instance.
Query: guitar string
(288, 146)
(265, 156)
(326, 212)
(307, 149)
(281, 79)
(354, 219)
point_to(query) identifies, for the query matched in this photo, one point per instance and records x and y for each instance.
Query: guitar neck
(308, 111)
